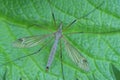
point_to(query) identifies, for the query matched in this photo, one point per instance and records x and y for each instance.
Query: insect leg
(26, 55)
(83, 16)
(61, 61)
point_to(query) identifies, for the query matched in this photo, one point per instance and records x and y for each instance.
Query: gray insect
(72, 52)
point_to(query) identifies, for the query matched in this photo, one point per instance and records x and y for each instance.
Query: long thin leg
(26, 55)
(21, 57)
(109, 32)
(61, 61)
(83, 16)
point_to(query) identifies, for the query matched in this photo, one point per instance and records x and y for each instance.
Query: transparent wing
(31, 41)
(76, 57)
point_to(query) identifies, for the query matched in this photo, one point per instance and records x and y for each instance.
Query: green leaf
(98, 42)
(116, 72)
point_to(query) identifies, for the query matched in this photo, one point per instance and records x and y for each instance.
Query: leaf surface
(98, 42)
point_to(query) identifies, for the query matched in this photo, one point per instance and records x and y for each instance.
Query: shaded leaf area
(116, 72)
(95, 36)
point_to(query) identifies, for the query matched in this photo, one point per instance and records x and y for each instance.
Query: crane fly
(72, 52)
(31, 41)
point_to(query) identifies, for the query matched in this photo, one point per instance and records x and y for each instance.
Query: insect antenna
(97, 7)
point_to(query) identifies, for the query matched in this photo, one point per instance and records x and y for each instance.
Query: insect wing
(76, 57)
(27, 42)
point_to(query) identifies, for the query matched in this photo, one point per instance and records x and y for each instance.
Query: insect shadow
(72, 52)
